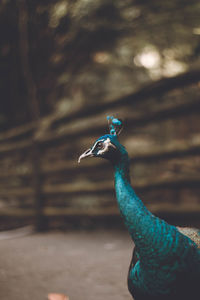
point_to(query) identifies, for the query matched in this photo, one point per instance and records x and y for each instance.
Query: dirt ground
(83, 265)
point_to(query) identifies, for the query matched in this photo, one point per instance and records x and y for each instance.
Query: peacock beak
(87, 153)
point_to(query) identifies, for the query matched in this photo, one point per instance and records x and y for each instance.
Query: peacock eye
(99, 145)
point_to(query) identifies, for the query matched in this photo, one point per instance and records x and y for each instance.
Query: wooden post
(34, 111)
(37, 181)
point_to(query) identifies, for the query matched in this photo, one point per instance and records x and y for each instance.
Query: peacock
(165, 264)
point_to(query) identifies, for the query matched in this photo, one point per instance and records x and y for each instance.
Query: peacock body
(166, 259)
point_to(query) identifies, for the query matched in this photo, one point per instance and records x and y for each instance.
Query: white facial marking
(106, 143)
(96, 144)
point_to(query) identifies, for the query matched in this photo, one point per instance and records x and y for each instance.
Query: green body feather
(166, 259)
(168, 262)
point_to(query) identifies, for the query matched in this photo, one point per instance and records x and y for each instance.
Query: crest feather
(115, 125)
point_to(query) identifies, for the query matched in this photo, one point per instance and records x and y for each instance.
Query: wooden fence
(40, 179)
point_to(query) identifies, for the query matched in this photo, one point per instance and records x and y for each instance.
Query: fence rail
(39, 173)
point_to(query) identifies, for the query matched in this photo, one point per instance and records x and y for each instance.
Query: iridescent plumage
(166, 259)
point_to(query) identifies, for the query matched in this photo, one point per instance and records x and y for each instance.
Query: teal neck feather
(152, 236)
(163, 252)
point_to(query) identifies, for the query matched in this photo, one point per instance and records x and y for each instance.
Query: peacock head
(107, 146)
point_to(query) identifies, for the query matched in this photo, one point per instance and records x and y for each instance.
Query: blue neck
(151, 235)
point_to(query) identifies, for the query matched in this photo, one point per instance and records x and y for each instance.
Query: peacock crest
(115, 125)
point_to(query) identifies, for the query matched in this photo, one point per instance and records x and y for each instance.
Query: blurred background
(64, 66)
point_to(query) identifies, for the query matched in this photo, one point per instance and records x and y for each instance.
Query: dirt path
(83, 265)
